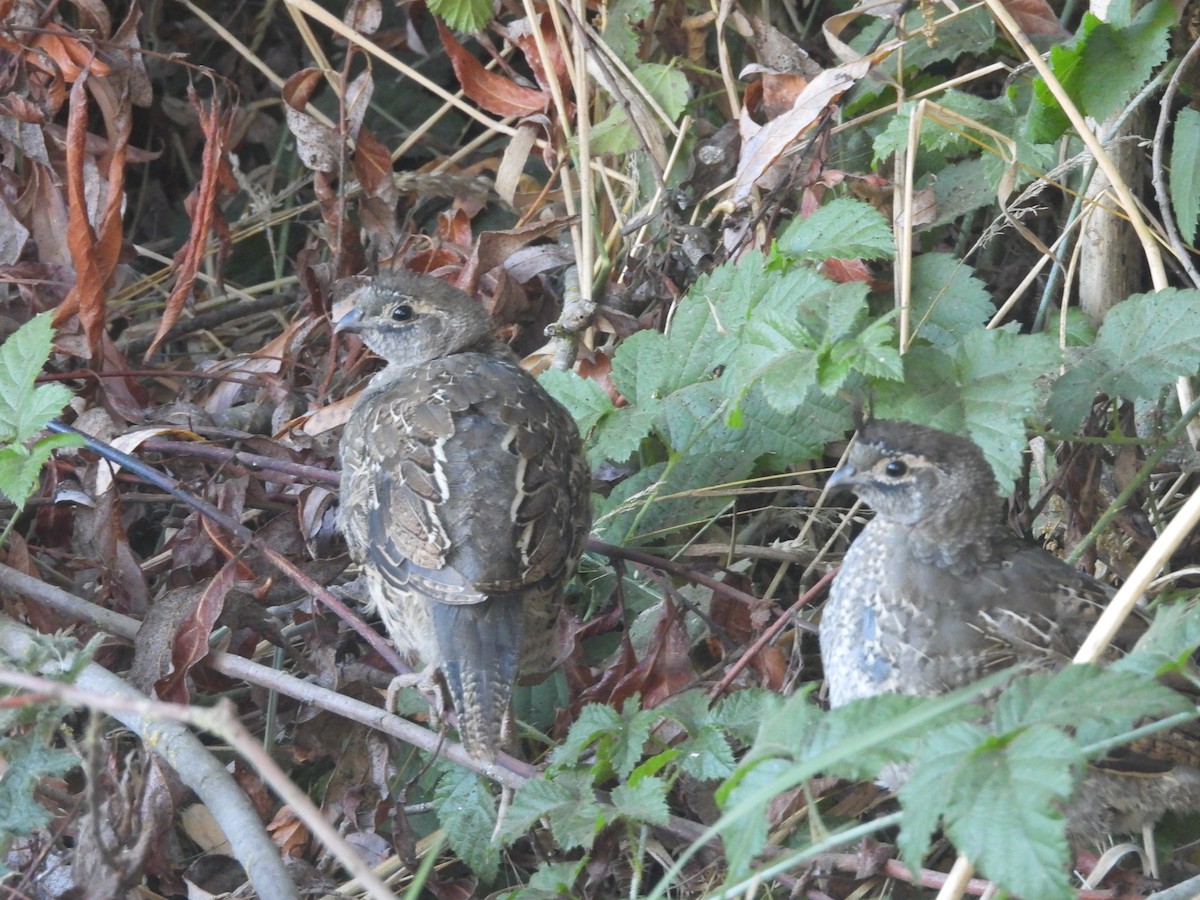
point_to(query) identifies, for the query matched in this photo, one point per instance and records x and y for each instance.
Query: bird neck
(956, 538)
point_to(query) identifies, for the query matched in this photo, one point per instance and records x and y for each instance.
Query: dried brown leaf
(216, 181)
(762, 146)
(94, 251)
(494, 92)
(190, 644)
(1036, 17)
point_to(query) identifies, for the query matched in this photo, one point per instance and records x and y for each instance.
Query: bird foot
(425, 682)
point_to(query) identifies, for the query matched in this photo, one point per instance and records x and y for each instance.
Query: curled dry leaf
(95, 249)
(216, 182)
(762, 146)
(520, 32)
(364, 16)
(494, 92)
(317, 143)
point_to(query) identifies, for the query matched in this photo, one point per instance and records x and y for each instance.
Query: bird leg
(426, 682)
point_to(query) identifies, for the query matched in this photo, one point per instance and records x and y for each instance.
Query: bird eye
(895, 469)
(402, 312)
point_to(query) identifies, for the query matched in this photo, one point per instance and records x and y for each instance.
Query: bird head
(408, 318)
(912, 474)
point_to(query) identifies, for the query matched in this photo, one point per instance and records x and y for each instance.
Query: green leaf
(985, 386)
(583, 398)
(552, 881)
(958, 189)
(24, 408)
(595, 720)
(463, 15)
(786, 732)
(1168, 643)
(1119, 60)
(841, 229)
(937, 139)
(1102, 69)
(622, 432)
(706, 754)
(620, 32)
(806, 331)
(567, 800)
(745, 838)
(467, 810)
(948, 301)
(27, 762)
(837, 730)
(667, 85)
(669, 88)
(1185, 180)
(644, 802)
(743, 712)
(18, 472)
(1146, 342)
(620, 738)
(1097, 703)
(996, 802)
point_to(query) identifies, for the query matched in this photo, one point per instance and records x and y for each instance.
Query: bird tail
(480, 649)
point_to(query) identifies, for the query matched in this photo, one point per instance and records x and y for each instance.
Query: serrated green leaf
(929, 789)
(463, 15)
(948, 301)
(467, 810)
(567, 800)
(986, 387)
(1104, 66)
(595, 720)
(1097, 703)
(552, 881)
(937, 139)
(622, 432)
(1119, 60)
(27, 762)
(585, 400)
(19, 470)
(1185, 180)
(1167, 644)
(1145, 343)
(996, 802)
(629, 740)
(24, 409)
(669, 88)
(620, 34)
(836, 731)
(707, 754)
(743, 712)
(667, 85)
(841, 229)
(747, 837)
(644, 802)
(959, 188)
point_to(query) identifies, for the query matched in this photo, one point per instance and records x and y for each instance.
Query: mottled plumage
(465, 495)
(935, 593)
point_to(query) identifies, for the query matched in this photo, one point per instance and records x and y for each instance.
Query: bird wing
(472, 479)
(1024, 605)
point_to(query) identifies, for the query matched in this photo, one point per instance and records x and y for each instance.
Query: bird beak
(843, 479)
(351, 321)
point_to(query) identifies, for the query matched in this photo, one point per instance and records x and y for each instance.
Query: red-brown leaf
(191, 640)
(494, 92)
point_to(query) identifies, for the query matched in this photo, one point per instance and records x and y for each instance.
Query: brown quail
(935, 593)
(465, 495)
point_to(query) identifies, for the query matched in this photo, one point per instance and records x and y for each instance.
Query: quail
(464, 498)
(935, 593)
